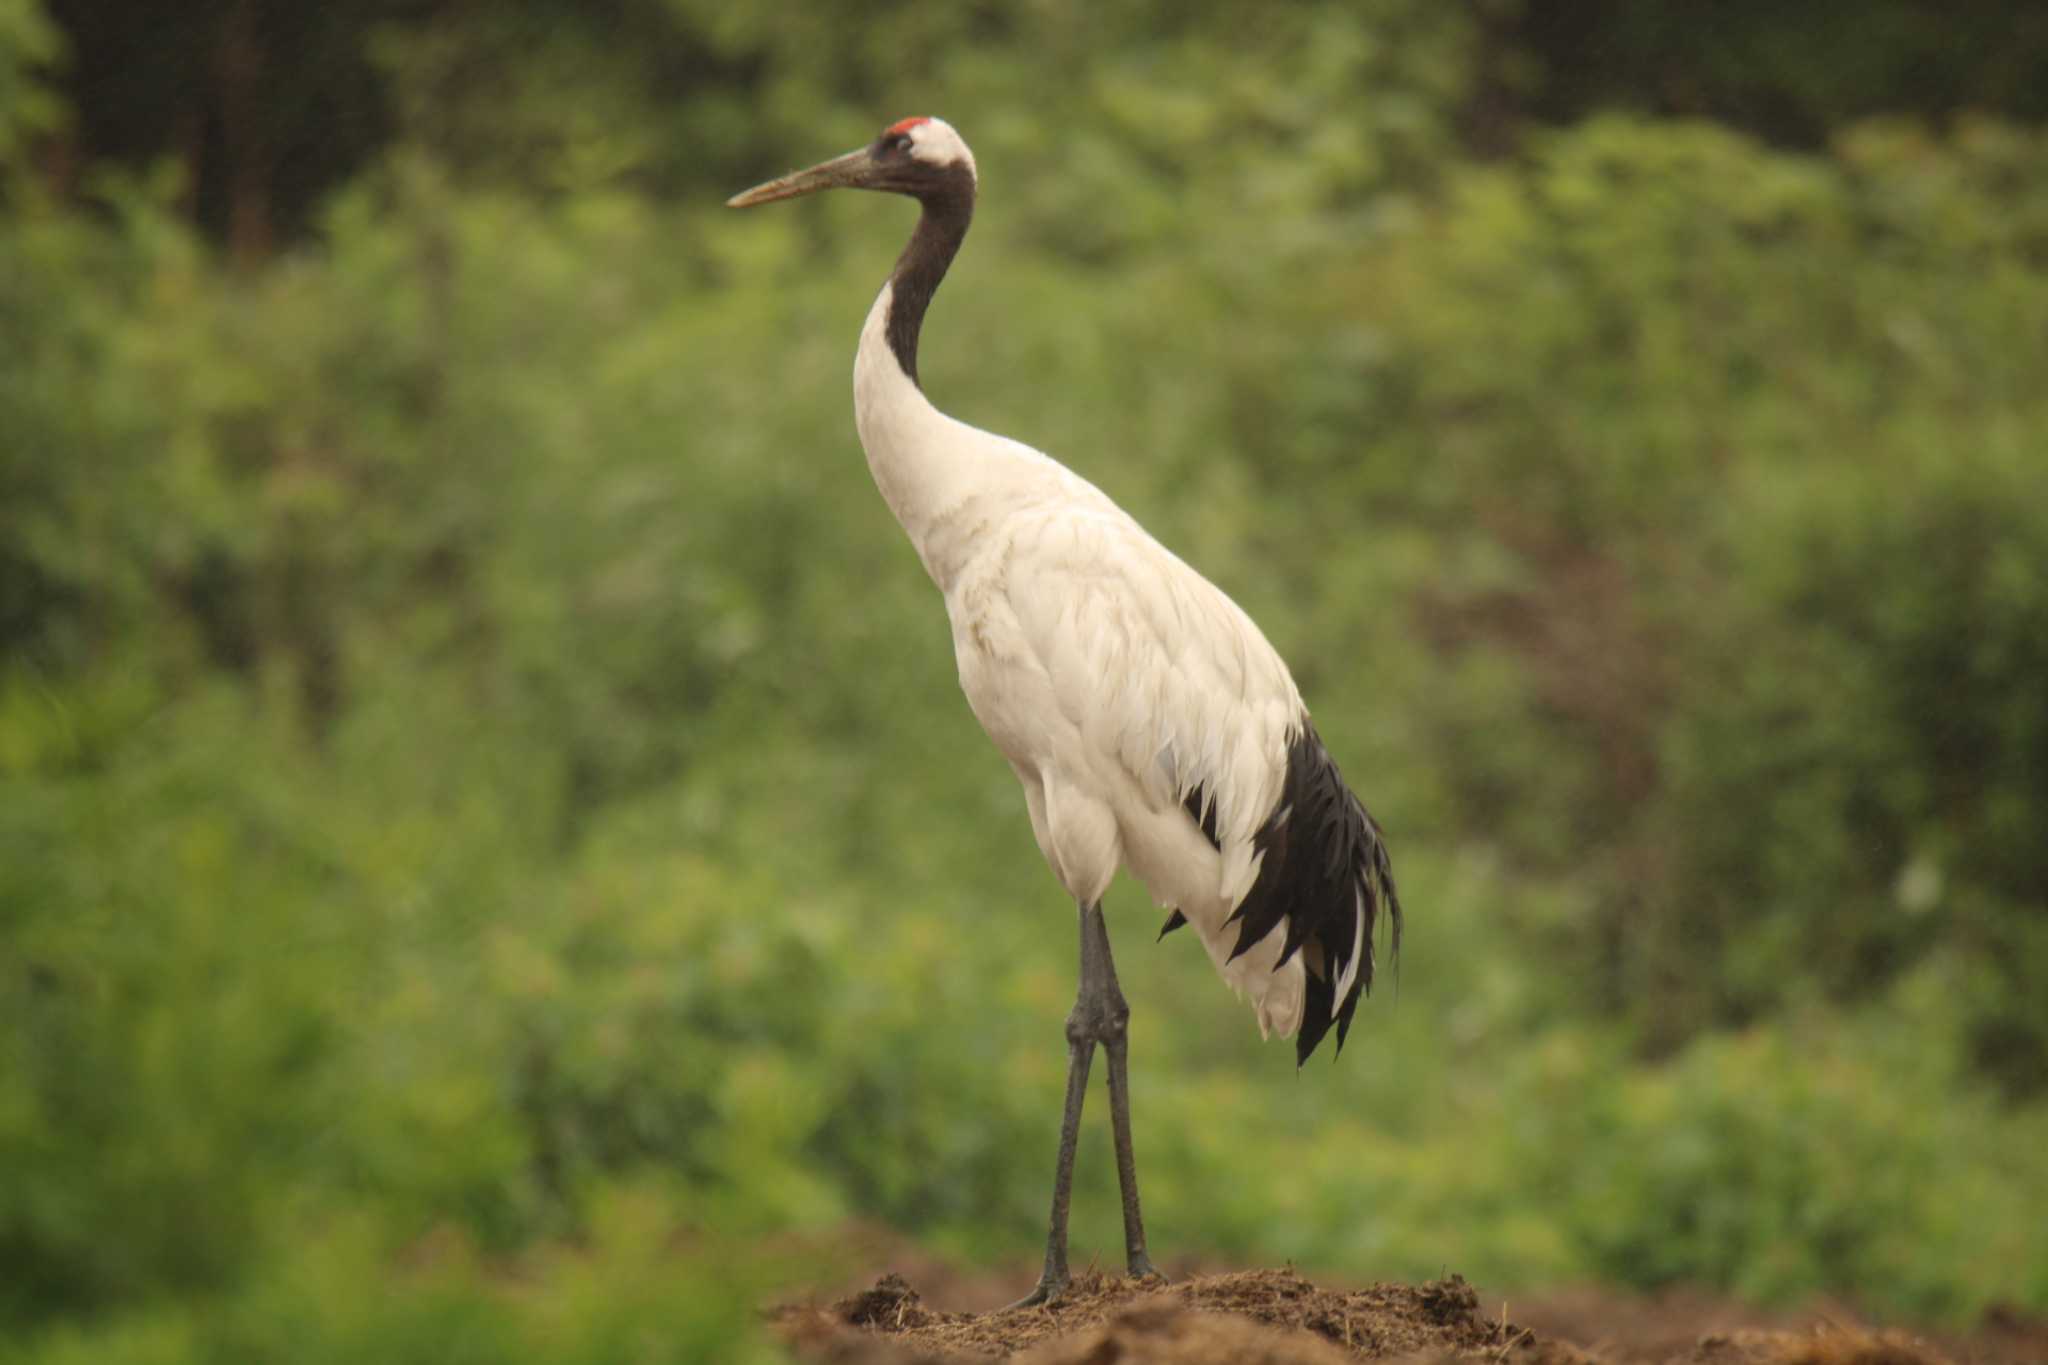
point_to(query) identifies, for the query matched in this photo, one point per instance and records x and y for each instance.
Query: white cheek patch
(933, 141)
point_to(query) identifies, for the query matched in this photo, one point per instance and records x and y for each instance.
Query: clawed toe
(1049, 1290)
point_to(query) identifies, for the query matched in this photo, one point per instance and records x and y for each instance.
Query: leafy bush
(1813, 1160)
(1742, 622)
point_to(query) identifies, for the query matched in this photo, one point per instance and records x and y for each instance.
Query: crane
(1149, 722)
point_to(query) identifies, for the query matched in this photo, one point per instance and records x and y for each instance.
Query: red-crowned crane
(1148, 720)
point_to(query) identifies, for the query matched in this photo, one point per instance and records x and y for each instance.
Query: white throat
(920, 458)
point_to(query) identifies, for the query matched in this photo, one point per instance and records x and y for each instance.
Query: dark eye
(900, 143)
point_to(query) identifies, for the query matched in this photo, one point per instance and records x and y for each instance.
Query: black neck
(940, 229)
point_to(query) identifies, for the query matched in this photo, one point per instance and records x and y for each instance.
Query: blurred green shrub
(626, 1294)
(29, 42)
(1806, 1161)
(1732, 459)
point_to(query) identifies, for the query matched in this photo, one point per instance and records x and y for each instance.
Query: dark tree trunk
(239, 68)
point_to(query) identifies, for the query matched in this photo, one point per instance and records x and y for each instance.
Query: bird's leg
(1116, 1044)
(1100, 1015)
(1053, 1281)
(1084, 1030)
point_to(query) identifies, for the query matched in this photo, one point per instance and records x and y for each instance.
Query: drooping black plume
(1325, 867)
(1203, 812)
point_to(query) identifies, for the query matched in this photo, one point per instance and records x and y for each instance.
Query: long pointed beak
(841, 172)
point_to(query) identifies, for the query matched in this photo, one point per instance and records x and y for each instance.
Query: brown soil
(1276, 1317)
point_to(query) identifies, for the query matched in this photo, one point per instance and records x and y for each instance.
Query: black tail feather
(1203, 812)
(1324, 864)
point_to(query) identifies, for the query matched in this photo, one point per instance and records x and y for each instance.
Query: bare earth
(1276, 1317)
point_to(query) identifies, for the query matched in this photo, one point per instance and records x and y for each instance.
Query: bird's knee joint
(1098, 1022)
(1077, 1028)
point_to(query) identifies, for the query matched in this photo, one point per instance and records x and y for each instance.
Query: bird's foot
(1143, 1269)
(1051, 1288)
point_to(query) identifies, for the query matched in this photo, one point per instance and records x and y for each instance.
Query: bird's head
(921, 157)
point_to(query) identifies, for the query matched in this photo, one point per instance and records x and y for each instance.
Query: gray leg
(1053, 1281)
(1126, 1165)
(1100, 1015)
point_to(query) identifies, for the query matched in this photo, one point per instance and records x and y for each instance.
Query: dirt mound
(1270, 1316)
(1266, 1317)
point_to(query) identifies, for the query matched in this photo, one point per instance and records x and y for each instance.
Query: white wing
(1120, 683)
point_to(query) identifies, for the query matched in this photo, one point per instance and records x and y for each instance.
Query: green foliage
(626, 1293)
(29, 43)
(1806, 1161)
(1907, 711)
(1735, 451)
(487, 827)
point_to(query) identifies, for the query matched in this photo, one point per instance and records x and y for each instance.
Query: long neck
(927, 467)
(940, 230)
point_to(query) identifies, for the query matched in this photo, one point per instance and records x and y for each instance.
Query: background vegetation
(492, 859)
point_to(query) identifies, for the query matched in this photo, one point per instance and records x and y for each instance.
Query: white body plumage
(1114, 678)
